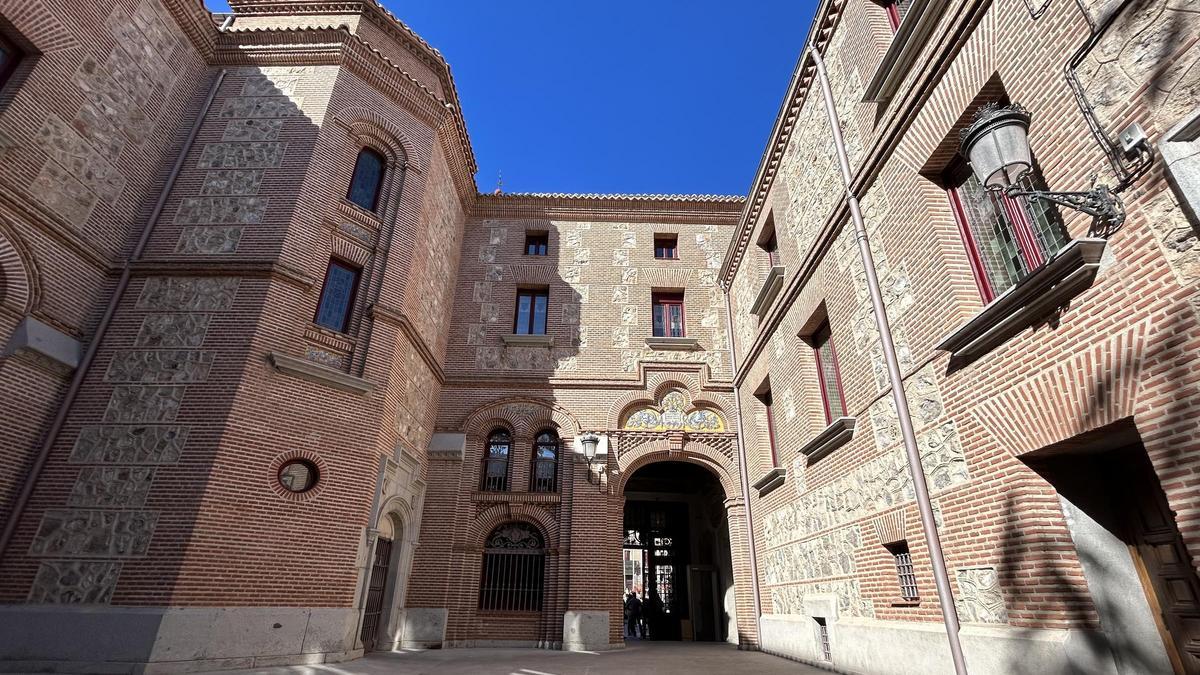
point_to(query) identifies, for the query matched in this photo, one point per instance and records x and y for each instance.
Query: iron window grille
(668, 314)
(666, 246)
(495, 462)
(530, 315)
(367, 179)
(1006, 238)
(828, 374)
(337, 296)
(537, 243)
(513, 570)
(545, 462)
(904, 571)
(823, 638)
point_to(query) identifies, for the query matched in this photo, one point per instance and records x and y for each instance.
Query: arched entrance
(676, 555)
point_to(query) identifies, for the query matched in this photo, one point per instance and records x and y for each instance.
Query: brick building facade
(283, 387)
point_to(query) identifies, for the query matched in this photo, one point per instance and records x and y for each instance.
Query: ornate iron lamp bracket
(1106, 208)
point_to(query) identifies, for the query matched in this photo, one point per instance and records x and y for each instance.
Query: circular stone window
(298, 475)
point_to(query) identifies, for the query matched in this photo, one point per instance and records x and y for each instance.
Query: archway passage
(676, 555)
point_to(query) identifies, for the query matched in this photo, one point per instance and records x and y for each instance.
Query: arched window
(545, 462)
(367, 179)
(514, 560)
(495, 461)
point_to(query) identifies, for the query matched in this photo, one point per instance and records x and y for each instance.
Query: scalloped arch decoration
(19, 289)
(674, 411)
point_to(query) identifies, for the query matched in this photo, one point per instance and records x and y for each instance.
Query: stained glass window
(337, 296)
(367, 179)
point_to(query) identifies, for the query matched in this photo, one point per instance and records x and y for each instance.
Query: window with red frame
(530, 317)
(1006, 238)
(668, 314)
(764, 397)
(896, 11)
(827, 373)
(10, 56)
(337, 296)
(666, 246)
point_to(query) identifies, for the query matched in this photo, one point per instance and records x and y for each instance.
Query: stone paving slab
(651, 658)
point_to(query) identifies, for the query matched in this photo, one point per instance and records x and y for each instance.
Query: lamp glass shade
(997, 145)
(589, 442)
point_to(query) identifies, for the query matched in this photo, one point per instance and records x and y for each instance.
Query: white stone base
(585, 631)
(102, 639)
(422, 627)
(901, 648)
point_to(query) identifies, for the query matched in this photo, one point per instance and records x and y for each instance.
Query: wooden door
(375, 593)
(1161, 559)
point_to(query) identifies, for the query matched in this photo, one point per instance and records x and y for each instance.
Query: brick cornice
(398, 318)
(196, 23)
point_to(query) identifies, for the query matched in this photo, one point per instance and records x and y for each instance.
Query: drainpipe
(741, 450)
(938, 560)
(85, 363)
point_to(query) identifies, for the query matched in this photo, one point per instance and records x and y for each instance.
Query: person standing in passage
(633, 614)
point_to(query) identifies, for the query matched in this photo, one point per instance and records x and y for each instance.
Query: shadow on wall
(1101, 478)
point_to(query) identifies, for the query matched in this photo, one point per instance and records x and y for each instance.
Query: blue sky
(661, 96)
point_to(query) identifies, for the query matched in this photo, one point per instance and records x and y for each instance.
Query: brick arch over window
(498, 514)
(19, 288)
(376, 131)
(692, 453)
(524, 416)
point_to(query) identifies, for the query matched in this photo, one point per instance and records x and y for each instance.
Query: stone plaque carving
(232, 182)
(124, 444)
(111, 486)
(260, 106)
(131, 403)
(256, 155)
(86, 532)
(158, 365)
(979, 597)
(172, 330)
(83, 582)
(209, 239)
(194, 294)
(237, 210)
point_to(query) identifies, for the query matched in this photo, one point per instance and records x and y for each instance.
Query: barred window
(545, 462)
(367, 179)
(904, 570)
(514, 559)
(495, 461)
(1006, 238)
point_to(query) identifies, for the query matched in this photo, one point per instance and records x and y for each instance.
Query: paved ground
(657, 658)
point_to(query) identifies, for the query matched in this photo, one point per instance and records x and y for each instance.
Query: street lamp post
(928, 524)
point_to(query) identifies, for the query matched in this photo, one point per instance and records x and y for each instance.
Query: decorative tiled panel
(209, 239)
(256, 155)
(143, 403)
(830, 555)
(979, 598)
(237, 210)
(93, 533)
(259, 106)
(172, 330)
(232, 182)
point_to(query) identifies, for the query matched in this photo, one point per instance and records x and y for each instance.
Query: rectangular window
(536, 243)
(337, 296)
(532, 305)
(764, 397)
(828, 374)
(10, 56)
(1006, 238)
(666, 246)
(896, 11)
(668, 314)
(904, 570)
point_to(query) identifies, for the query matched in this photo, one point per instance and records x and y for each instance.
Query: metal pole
(940, 576)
